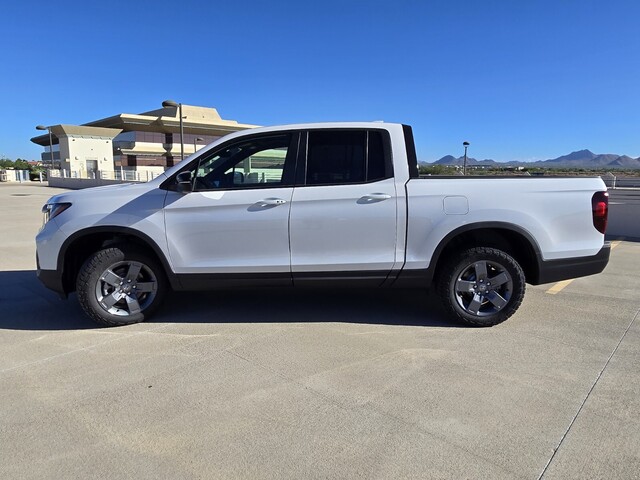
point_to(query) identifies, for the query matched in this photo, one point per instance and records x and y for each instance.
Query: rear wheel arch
(82, 244)
(511, 239)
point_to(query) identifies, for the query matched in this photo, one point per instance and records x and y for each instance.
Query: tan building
(145, 142)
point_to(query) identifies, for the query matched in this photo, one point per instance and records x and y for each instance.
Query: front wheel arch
(79, 246)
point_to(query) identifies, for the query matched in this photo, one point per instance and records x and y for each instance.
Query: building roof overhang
(59, 131)
(195, 120)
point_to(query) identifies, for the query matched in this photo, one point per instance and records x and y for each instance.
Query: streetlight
(171, 103)
(464, 168)
(197, 139)
(42, 127)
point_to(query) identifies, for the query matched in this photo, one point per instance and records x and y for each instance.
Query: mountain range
(579, 159)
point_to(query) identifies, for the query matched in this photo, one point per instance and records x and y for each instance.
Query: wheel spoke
(475, 304)
(464, 286)
(126, 288)
(134, 271)
(481, 270)
(111, 278)
(145, 287)
(499, 279)
(496, 299)
(132, 303)
(110, 300)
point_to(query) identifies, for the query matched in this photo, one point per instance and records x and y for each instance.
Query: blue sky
(520, 80)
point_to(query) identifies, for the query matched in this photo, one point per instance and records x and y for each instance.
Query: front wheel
(120, 286)
(481, 286)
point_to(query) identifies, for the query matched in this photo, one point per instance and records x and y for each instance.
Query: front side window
(252, 162)
(347, 156)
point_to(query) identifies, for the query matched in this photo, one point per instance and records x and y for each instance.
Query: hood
(120, 191)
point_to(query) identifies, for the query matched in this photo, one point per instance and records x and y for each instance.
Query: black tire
(120, 286)
(481, 286)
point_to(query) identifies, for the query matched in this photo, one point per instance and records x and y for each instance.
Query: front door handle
(374, 197)
(270, 202)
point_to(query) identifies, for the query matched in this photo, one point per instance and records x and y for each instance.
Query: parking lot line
(558, 287)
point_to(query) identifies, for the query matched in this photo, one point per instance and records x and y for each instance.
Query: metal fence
(117, 175)
(613, 181)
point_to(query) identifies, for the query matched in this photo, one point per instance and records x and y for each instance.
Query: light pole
(197, 139)
(42, 127)
(171, 103)
(464, 168)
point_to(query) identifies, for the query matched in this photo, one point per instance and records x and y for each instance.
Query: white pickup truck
(333, 204)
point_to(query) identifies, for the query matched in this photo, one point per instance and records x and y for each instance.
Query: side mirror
(183, 182)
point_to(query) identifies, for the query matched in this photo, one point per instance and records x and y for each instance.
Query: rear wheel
(120, 286)
(481, 286)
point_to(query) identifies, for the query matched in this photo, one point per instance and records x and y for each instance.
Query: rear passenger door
(343, 209)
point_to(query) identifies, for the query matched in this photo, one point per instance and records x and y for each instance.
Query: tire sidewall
(95, 266)
(447, 285)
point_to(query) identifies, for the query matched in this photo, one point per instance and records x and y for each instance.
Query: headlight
(52, 210)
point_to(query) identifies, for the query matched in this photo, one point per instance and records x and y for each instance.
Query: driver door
(235, 221)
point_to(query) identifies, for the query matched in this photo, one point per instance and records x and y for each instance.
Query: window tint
(376, 165)
(336, 157)
(250, 163)
(347, 156)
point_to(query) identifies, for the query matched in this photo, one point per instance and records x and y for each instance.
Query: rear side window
(379, 164)
(347, 156)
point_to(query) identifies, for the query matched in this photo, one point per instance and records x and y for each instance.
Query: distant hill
(451, 160)
(579, 156)
(578, 159)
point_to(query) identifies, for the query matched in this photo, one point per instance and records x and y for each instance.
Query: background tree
(435, 170)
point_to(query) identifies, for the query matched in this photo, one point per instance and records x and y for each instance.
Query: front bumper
(563, 269)
(52, 279)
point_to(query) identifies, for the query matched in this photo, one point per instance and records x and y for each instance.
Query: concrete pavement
(316, 384)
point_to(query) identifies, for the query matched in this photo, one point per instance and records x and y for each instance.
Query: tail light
(600, 209)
